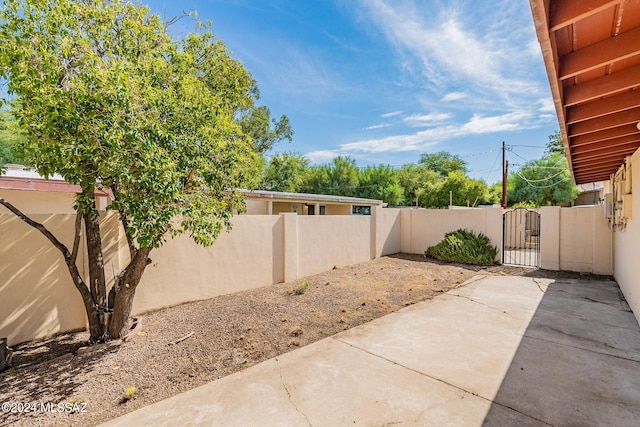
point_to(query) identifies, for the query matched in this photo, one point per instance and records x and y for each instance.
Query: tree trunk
(124, 293)
(96, 326)
(97, 281)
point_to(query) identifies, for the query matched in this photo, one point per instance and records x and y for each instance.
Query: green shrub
(300, 289)
(465, 247)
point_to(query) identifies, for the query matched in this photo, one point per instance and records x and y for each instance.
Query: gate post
(550, 238)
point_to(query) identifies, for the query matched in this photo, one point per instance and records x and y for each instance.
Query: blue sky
(383, 81)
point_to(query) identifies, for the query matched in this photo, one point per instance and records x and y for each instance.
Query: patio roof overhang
(591, 50)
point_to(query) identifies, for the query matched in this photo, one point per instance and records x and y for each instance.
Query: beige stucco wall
(332, 240)
(627, 245)
(338, 210)
(249, 256)
(576, 239)
(260, 207)
(280, 207)
(39, 202)
(391, 231)
(257, 207)
(550, 237)
(585, 240)
(37, 296)
(421, 228)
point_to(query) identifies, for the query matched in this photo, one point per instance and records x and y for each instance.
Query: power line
(543, 186)
(543, 179)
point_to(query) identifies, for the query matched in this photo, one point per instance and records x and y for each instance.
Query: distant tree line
(429, 183)
(434, 181)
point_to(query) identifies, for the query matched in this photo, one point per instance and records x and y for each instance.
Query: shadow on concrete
(578, 362)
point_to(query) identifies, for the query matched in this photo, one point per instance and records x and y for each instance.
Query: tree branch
(68, 257)
(192, 172)
(41, 228)
(125, 224)
(76, 238)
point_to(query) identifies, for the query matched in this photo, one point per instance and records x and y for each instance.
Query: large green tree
(555, 144)
(458, 189)
(10, 138)
(381, 183)
(111, 101)
(443, 162)
(416, 180)
(339, 178)
(286, 172)
(545, 181)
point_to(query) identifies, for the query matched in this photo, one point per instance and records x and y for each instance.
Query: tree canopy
(10, 138)
(545, 181)
(286, 172)
(381, 183)
(109, 100)
(443, 162)
(555, 144)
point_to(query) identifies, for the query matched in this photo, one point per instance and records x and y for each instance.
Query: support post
(505, 169)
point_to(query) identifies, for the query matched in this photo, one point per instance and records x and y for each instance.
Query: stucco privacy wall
(39, 299)
(249, 256)
(329, 241)
(37, 296)
(421, 228)
(391, 231)
(39, 202)
(627, 245)
(576, 239)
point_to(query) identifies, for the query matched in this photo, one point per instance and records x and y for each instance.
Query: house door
(521, 237)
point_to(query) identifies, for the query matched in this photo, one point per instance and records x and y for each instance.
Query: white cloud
(547, 106)
(427, 119)
(473, 50)
(506, 122)
(378, 126)
(453, 96)
(391, 114)
(422, 140)
(322, 156)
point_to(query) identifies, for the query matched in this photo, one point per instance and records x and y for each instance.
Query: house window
(323, 210)
(361, 210)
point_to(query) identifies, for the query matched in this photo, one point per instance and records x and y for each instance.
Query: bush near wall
(464, 246)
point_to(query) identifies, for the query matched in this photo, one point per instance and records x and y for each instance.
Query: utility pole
(505, 171)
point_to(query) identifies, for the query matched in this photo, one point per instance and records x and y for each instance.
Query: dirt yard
(179, 348)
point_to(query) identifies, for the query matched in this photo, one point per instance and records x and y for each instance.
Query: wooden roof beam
(604, 135)
(602, 107)
(603, 167)
(601, 148)
(602, 86)
(593, 178)
(612, 159)
(597, 55)
(621, 118)
(567, 12)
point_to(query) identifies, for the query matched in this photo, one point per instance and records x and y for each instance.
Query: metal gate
(521, 237)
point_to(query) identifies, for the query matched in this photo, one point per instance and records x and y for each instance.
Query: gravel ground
(216, 337)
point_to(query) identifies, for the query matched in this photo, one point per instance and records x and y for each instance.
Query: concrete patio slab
(497, 351)
(461, 324)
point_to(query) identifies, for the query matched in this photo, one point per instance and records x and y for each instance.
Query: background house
(274, 202)
(31, 193)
